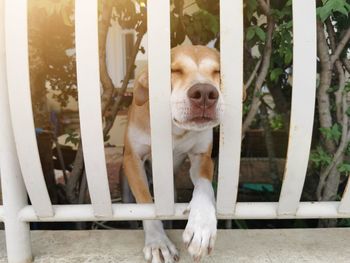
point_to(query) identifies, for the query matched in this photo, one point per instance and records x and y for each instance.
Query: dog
(196, 107)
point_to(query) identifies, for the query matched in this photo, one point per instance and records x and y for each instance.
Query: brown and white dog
(196, 106)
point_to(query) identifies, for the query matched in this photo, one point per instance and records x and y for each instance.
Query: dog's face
(196, 100)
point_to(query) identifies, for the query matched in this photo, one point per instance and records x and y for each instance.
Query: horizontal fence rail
(120, 212)
(246, 210)
(2, 214)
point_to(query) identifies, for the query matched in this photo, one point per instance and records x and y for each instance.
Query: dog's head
(196, 100)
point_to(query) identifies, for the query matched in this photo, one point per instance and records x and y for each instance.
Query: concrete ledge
(244, 246)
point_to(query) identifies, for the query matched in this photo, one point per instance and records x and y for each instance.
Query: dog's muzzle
(203, 100)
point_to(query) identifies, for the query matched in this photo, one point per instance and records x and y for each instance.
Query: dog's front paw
(200, 233)
(158, 247)
(161, 250)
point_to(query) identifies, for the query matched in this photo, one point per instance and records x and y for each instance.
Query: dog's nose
(203, 95)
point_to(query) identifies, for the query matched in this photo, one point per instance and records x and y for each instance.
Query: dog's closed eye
(177, 71)
(216, 72)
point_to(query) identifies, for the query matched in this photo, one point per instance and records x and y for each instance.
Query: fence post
(13, 190)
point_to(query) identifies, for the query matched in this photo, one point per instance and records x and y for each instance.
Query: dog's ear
(141, 88)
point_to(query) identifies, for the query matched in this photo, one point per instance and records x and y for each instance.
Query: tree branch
(335, 162)
(341, 75)
(252, 75)
(74, 178)
(346, 63)
(323, 100)
(261, 77)
(341, 45)
(331, 35)
(339, 93)
(106, 81)
(265, 7)
(118, 98)
(344, 119)
(270, 145)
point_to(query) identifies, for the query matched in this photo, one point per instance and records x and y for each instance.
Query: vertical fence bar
(88, 78)
(13, 190)
(344, 206)
(158, 22)
(303, 104)
(231, 40)
(16, 40)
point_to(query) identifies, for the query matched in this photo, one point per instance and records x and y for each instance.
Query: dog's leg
(200, 233)
(158, 247)
(127, 197)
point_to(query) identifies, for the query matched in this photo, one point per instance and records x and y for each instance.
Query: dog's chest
(184, 143)
(191, 142)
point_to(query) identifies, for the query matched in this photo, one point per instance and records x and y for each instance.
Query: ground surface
(246, 246)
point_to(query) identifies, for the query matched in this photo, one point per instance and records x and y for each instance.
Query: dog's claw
(158, 247)
(197, 258)
(186, 211)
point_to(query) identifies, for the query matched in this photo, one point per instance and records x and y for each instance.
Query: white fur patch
(188, 61)
(208, 63)
(157, 245)
(200, 233)
(180, 111)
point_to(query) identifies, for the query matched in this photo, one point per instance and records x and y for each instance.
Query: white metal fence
(19, 159)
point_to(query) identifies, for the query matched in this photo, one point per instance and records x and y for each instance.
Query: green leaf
(333, 133)
(348, 112)
(323, 13)
(320, 157)
(250, 33)
(276, 122)
(215, 25)
(347, 87)
(72, 137)
(260, 33)
(288, 57)
(343, 10)
(289, 25)
(344, 168)
(331, 6)
(275, 73)
(250, 8)
(347, 151)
